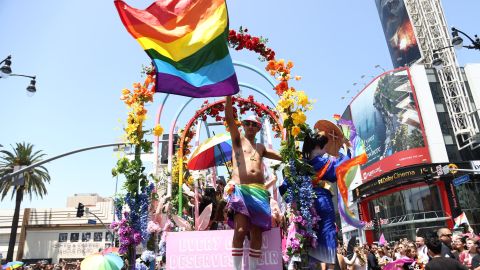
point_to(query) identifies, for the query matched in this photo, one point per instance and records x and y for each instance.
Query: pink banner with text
(212, 250)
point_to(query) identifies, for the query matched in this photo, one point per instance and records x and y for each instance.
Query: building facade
(55, 234)
(425, 194)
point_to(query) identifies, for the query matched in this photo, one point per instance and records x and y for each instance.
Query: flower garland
(127, 235)
(241, 40)
(135, 101)
(241, 106)
(293, 105)
(300, 213)
(132, 227)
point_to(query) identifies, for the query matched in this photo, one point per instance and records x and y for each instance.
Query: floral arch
(213, 110)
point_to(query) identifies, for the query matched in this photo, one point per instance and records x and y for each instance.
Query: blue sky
(83, 57)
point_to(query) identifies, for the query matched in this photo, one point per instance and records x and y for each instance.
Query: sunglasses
(249, 123)
(448, 235)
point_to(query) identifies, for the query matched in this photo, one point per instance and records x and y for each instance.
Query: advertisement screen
(385, 115)
(398, 31)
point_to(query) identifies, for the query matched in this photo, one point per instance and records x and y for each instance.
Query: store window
(97, 236)
(62, 237)
(74, 237)
(470, 201)
(408, 210)
(108, 237)
(425, 199)
(86, 236)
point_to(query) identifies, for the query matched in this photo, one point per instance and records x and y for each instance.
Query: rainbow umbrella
(100, 261)
(214, 151)
(114, 250)
(12, 265)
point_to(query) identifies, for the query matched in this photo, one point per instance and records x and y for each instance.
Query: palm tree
(34, 181)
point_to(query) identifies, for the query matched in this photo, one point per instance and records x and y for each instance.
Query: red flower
(281, 87)
(240, 40)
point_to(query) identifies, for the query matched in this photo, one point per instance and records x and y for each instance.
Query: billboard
(387, 120)
(399, 33)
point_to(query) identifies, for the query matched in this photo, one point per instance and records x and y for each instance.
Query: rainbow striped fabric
(347, 170)
(252, 201)
(187, 41)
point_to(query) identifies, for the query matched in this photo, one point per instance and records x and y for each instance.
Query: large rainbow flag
(187, 41)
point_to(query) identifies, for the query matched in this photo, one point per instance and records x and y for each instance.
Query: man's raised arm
(232, 126)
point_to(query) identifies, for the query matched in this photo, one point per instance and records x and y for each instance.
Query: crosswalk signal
(80, 209)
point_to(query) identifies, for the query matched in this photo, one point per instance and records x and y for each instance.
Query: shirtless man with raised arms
(248, 198)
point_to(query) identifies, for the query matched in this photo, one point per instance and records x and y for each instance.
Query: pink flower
(153, 227)
(295, 244)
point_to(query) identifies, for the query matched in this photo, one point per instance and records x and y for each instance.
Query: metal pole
(170, 147)
(155, 138)
(195, 179)
(269, 79)
(7, 176)
(465, 170)
(106, 227)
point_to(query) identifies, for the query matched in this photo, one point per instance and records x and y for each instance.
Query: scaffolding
(432, 35)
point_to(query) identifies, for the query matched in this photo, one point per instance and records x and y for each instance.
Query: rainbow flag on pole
(187, 41)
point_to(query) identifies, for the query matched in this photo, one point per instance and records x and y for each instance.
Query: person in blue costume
(315, 153)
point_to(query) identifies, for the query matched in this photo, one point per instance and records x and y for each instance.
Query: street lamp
(457, 43)
(6, 71)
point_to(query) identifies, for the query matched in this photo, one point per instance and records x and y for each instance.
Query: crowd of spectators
(440, 250)
(45, 265)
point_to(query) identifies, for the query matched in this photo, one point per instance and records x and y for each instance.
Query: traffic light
(80, 209)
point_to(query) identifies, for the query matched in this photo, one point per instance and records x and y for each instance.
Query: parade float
(170, 214)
